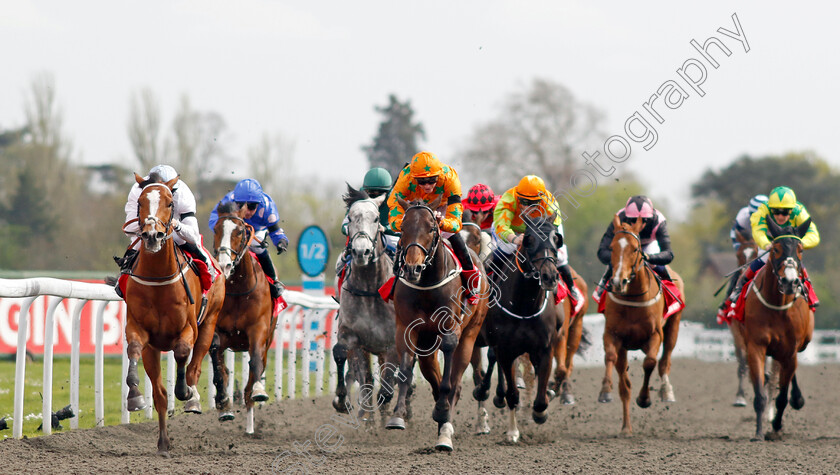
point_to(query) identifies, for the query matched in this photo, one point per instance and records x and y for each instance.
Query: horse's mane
(228, 207)
(353, 195)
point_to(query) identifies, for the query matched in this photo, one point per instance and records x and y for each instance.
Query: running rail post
(98, 366)
(74, 363)
(20, 367)
(46, 386)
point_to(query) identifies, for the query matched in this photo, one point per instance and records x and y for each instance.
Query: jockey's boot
(274, 286)
(736, 292)
(662, 272)
(198, 253)
(566, 275)
(601, 286)
(470, 277)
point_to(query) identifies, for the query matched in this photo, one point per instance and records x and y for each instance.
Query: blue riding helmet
(164, 171)
(248, 191)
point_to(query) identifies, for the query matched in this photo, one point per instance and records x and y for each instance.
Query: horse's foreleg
(405, 376)
(787, 370)
(181, 351)
(151, 363)
(796, 399)
(624, 390)
(440, 414)
(670, 331)
(365, 378)
(255, 389)
(482, 424)
(506, 362)
(610, 357)
(220, 378)
(202, 345)
(649, 364)
(339, 353)
(572, 345)
(755, 360)
(136, 339)
(542, 363)
(740, 355)
(387, 372)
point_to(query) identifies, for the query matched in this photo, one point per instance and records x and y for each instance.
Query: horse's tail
(585, 341)
(111, 280)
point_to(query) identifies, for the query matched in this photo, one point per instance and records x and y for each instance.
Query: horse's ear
(638, 225)
(802, 229)
(773, 227)
(379, 199)
(138, 178)
(405, 204)
(434, 204)
(171, 183)
(616, 223)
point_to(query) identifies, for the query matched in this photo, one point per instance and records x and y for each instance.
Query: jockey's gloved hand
(176, 225)
(282, 246)
(645, 256)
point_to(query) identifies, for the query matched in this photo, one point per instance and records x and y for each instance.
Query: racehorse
(163, 301)
(365, 321)
(247, 320)
(778, 322)
(524, 318)
(634, 320)
(432, 315)
(747, 251)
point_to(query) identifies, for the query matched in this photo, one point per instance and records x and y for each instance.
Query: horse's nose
(413, 271)
(227, 268)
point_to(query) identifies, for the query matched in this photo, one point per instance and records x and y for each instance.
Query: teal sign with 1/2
(313, 251)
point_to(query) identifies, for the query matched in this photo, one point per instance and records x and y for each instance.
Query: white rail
(310, 311)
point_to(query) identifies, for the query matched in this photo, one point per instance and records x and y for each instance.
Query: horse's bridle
(154, 219)
(243, 244)
(638, 251)
(786, 262)
(428, 254)
(534, 271)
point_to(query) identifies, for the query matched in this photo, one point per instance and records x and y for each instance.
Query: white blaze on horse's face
(225, 262)
(748, 253)
(621, 276)
(152, 238)
(363, 230)
(791, 270)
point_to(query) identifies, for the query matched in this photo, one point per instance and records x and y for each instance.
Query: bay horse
(163, 301)
(246, 321)
(432, 314)
(634, 321)
(778, 322)
(747, 251)
(523, 318)
(366, 323)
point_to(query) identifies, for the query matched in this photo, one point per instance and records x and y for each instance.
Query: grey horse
(366, 323)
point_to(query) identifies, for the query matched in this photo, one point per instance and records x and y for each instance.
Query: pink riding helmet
(638, 206)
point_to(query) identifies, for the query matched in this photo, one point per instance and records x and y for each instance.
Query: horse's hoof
(183, 392)
(163, 453)
(551, 394)
(226, 416)
(480, 395)
(136, 403)
(193, 406)
(797, 403)
(773, 436)
(339, 407)
(605, 397)
(258, 393)
(520, 383)
(740, 401)
(512, 436)
(444, 442)
(540, 417)
(568, 399)
(667, 395)
(757, 438)
(395, 423)
(499, 402)
(644, 403)
(626, 433)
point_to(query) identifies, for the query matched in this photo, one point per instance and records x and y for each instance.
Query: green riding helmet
(377, 179)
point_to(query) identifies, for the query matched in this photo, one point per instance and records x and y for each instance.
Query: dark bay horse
(633, 321)
(523, 318)
(432, 314)
(778, 322)
(163, 299)
(366, 323)
(247, 321)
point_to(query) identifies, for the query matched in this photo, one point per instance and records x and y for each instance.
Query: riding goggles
(529, 202)
(251, 204)
(426, 180)
(780, 211)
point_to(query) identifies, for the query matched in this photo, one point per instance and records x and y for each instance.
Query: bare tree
(272, 163)
(541, 129)
(144, 128)
(197, 144)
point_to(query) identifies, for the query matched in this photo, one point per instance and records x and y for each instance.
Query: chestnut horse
(247, 321)
(573, 341)
(432, 315)
(778, 322)
(163, 300)
(633, 320)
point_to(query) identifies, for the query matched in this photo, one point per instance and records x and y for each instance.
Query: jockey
(184, 222)
(480, 203)
(426, 178)
(786, 211)
(530, 199)
(656, 243)
(742, 220)
(261, 213)
(377, 182)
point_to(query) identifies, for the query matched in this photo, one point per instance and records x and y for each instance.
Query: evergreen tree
(396, 141)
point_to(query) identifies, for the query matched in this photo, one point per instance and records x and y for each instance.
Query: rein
(429, 255)
(635, 303)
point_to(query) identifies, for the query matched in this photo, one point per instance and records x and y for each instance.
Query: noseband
(785, 263)
(153, 220)
(638, 251)
(243, 244)
(535, 264)
(428, 254)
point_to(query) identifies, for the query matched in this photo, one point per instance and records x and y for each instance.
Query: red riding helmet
(480, 198)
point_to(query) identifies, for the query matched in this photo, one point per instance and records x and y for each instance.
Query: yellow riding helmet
(782, 197)
(530, 187)
(425, 164)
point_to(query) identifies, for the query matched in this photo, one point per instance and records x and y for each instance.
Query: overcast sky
(314, 70)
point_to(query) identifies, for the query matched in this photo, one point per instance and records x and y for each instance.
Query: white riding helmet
(166, 172)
